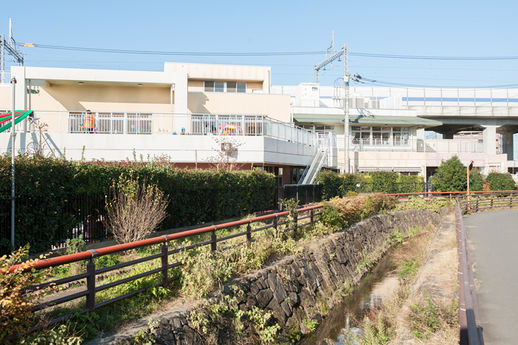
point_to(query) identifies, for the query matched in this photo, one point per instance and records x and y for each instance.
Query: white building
(387, 125)
(199, 114)
(188, 112)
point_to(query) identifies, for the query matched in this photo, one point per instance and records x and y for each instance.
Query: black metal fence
(42, 224)
(303, 193)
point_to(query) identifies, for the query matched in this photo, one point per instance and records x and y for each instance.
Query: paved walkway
(493, 243)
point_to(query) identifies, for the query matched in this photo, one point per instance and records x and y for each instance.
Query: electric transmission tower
(8, 47)
(341, 54)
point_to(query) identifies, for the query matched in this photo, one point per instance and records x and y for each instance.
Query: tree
(498, 181)
(451, 176)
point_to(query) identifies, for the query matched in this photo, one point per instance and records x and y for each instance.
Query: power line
(362, 80)
(433, 57)
(173, 53)
(267, 53)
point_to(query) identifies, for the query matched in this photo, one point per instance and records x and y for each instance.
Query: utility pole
(342, 53)
(13, 155)
(346, 114)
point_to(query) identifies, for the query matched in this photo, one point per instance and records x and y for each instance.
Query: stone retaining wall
(297, 289)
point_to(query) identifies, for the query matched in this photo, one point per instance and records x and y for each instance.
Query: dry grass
(423, 307)
(427, 312)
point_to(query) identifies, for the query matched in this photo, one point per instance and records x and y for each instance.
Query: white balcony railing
(109, 123)
(250, 125)
(164, 123)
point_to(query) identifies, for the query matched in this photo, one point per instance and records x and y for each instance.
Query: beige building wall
(102, 98)
(53, 102)
(274, 106)
(257, 76)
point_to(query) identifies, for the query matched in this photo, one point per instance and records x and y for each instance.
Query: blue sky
(453, 28)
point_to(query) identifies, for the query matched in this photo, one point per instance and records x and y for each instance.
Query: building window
(209, 86)
(380, 136)
(231, 86)
(224, 86)
(219, 86)
(241, 87)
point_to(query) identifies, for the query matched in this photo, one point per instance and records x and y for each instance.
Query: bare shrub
(225, 150)
(135, 210)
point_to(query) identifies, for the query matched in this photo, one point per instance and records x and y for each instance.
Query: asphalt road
(493, 243)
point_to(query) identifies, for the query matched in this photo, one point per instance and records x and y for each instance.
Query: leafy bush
(16, 315)
(384, 182)
(419, 203)
(331, 183)
(410, 184)
(55, 195)
(498, 181)
(334, 184)
(476, 180)
(356, 208)
(331, 217)
(450, 176)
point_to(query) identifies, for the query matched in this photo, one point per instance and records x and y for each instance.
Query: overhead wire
(265, 53)
(363, 80)
(294, 53)
(170, 53)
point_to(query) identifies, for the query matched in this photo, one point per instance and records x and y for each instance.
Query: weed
(60, 335)
(311, 325)
(408, 269)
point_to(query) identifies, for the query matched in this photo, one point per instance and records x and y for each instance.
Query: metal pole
(467, 199)
(13, 153)
(2, 59)
(346, 113)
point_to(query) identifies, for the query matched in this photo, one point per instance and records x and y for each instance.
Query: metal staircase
(311, 171)
(324, 155)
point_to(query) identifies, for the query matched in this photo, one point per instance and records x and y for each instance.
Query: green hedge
(498, 181)
(52, 193)
(335, 184)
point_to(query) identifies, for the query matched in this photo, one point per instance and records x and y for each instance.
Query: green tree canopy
(498, 181)
(451, 177)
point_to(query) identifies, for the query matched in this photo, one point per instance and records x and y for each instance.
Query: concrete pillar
(489, 137)
(181, 118)
(508, 145)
